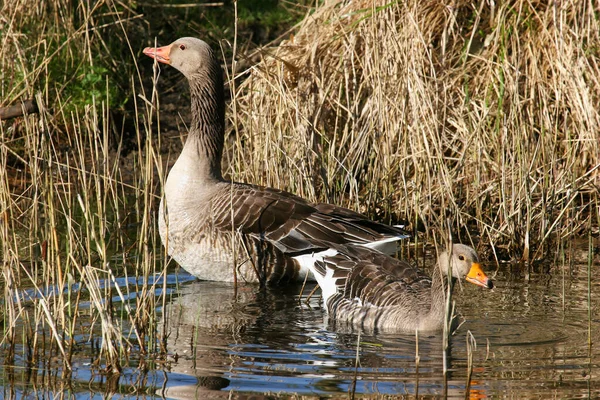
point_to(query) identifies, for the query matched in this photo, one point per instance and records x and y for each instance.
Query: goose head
(465, 264)
(189, 55)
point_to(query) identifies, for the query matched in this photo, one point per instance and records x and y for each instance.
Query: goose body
(370, 290)
(220, 230)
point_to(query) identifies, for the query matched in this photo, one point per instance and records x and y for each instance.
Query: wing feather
(291, 223)
(371, 277)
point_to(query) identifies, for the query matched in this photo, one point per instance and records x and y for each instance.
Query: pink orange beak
(477, 277)
(160, 54)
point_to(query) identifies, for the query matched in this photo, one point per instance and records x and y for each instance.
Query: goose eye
(461, 257)
(182, 46)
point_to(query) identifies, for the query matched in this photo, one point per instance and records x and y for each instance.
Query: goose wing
(369, 278)
(294, 225)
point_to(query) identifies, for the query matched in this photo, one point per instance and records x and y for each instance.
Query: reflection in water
(528, 341)
(533, 336)
(269, 341)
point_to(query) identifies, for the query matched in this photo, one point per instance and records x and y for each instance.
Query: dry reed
(481, 112)
(67, 213)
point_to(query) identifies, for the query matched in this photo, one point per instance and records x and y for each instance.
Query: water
(531, 342)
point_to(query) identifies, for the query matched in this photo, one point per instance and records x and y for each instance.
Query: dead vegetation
(483, 113)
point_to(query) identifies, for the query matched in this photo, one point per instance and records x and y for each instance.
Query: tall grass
(71, 220)
(481, 112)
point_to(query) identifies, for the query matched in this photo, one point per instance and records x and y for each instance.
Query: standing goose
(370, 290)
(209, 225)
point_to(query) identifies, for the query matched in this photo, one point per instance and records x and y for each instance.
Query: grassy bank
(482, 118)
(482, 115)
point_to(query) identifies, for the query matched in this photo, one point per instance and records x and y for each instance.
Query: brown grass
(70, 222)
(420, 112)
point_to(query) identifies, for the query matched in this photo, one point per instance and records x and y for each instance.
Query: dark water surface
(531, 337)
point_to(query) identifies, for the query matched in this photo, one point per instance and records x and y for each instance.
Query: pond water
(531, 337)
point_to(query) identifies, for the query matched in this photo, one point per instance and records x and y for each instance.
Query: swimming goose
(222, 231)
(370, 290)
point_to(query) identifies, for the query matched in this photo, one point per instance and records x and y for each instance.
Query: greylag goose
(373, 291)
(222, 231)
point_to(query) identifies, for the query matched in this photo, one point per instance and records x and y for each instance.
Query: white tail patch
(326, 282)
(387, 246)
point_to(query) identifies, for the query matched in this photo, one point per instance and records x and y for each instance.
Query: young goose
(371, 290)
(209, 225)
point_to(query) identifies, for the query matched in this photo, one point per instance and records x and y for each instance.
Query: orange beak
(477, 277)
(160, 54)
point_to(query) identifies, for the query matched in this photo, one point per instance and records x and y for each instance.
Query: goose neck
(439, 292)
(206, 136)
